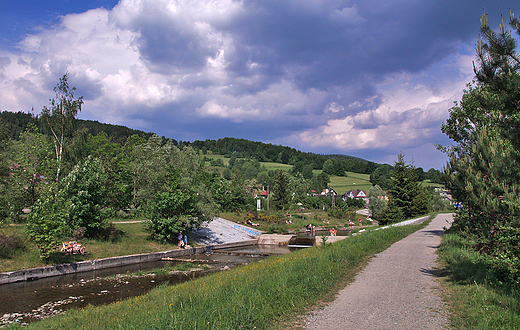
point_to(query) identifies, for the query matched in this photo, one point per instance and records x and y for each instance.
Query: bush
(9, 244)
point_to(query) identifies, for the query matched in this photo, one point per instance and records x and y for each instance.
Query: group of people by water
(72, 248)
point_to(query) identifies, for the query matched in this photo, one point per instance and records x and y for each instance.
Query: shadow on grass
(65, 258)
(462, 265)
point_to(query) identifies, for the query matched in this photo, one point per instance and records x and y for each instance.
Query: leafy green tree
(118, 183)
(377, 201)
(84, 189)
(299, 188)
(59, 118)
(182, 207)
(4, 172)
(381, 176)
(48, 221)
(328, 167)
(34, 155)
(307, 171)
(320, 181)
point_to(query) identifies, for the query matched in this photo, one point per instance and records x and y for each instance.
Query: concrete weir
(91, 265)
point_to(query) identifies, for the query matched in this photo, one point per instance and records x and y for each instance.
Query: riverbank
(292, 283)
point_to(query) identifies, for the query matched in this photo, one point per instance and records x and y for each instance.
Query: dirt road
(395, 291)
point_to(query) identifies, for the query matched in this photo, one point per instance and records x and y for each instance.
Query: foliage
(48, 221)
(381, 176)
(281, 193)
(9, 244)
(185, 205)
(34, 157)
(482, 294)
(118, 184)
(84, 189)
(320, 181)
(59, 118)
(299, 188)
(406, 197)
(482, 173)
(377, 201)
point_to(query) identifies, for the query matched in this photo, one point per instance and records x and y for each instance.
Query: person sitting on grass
(78, 248)
(65, 247)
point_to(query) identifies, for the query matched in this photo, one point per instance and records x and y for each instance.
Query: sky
(365, 78)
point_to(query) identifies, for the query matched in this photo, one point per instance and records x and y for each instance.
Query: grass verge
(473, 289)
(262, 295)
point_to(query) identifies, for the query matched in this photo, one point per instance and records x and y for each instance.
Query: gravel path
(396, 290)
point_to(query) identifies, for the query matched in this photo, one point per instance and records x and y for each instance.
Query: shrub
(9, 244)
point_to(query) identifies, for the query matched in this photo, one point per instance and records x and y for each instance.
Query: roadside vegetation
(481, 294)
(273, 293)
(481, 251)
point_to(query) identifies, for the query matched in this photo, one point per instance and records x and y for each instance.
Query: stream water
(33, 300)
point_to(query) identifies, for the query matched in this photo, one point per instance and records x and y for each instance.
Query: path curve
(396, 290)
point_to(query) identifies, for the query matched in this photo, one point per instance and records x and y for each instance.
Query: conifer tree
(483, 169)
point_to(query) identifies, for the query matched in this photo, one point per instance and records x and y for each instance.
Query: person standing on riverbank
(179, 244)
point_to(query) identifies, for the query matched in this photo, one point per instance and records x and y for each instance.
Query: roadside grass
(263, 295)
(135, 240)
(477, 297)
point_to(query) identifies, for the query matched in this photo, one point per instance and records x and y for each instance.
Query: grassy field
(273, 294)
(276, 166)
(342, 184)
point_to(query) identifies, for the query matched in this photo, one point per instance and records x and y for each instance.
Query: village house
(357, 194)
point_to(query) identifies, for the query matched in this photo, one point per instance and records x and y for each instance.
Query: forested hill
(263, 152)
(230, 147)
(17, 123)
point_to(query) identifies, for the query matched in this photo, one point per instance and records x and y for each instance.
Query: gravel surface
(396, 290)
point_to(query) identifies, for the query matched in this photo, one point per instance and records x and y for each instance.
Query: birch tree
(60, 116)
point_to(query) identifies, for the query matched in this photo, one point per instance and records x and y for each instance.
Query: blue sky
(369, 78)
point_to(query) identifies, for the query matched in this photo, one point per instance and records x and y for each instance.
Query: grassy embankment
(135, 240)
(473, 290)
(273, 293)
